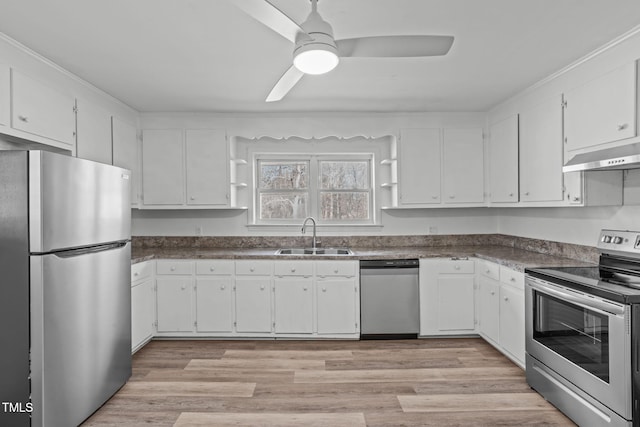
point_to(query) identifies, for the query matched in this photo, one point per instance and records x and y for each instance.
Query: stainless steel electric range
(582, 331)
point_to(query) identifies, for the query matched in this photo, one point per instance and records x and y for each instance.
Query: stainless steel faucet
(314, 242)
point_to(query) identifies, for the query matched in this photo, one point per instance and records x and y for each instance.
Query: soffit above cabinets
(209, 56)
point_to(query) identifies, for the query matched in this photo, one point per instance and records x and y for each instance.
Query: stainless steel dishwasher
(389, 300)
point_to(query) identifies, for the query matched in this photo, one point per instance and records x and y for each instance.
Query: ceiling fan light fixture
(316, 58)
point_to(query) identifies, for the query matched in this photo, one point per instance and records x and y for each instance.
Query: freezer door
(75, 202)
(80, 333)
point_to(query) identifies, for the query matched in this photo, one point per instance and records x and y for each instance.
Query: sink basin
(314, 251)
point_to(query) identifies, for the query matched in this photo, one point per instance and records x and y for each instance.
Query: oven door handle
(594, 304)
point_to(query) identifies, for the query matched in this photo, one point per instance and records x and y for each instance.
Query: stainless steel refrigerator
(65, 296)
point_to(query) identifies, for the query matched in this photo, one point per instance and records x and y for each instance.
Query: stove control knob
(606, 239)
(617, 240)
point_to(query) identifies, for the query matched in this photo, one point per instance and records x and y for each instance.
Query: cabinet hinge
(75, 109)
(563, 104)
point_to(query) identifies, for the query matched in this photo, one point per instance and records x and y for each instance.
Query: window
(331, 188)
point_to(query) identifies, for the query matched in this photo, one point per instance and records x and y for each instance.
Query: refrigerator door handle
(90, 250)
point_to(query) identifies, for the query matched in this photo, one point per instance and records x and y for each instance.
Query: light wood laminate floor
(426, 382)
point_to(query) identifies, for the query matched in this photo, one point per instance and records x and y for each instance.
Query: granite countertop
(517, 259)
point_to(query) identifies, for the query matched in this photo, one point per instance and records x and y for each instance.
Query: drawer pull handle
(23, 118)
(493, 293)
(513, 279)
(223, 287)
(488, 271)
(293, 270)
(506, 299)
(623, 126)
(336, 271)
(262, 287)
(456, 267)
(252, 269)
(304, 289)
(324, 289)
(136, 273)
(212, 269)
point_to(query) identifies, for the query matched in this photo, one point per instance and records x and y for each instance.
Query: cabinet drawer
(174, 267)
(293, 268)
(490, 270)
(214, 267)
(254, 268)
(336, 268)
(512, 277)
(140, 271)
(456, 267)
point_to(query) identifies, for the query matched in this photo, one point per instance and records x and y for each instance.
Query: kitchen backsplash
(567, 250)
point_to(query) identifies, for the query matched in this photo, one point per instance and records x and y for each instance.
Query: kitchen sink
(314, 251)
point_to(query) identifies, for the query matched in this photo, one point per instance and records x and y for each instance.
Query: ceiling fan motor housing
(321, 42)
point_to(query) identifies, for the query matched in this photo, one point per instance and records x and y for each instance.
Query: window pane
(283, 206)
(344, 175)
(283, 176)
(344, 205)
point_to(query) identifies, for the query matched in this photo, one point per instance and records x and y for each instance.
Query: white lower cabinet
(253, 288)
(447, 297)
(257, 298)
(293, 297)
(142, 304)
(501, 309)
(337, 306)
(338, 297)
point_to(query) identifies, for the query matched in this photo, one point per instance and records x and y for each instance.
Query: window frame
(314, 186)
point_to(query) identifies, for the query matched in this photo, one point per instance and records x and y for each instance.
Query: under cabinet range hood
(622, 157)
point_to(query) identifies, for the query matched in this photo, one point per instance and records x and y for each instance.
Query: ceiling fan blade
(285, 84)
(266, 13)
(394, 46)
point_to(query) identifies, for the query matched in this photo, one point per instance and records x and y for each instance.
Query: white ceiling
(207, 55)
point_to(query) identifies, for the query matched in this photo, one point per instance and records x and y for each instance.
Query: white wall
(394, 222)
(572, 225)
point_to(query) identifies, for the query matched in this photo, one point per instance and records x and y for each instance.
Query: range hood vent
(622, 157)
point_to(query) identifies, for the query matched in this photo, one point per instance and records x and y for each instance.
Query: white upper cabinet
(125, 153)
(5, 93)
(463, 166)
(603, 110)
(503, 161)
(185, 169)
(207, 161)
(93, 139)
(162, 167)
(541, 152)
(419, 167)
(41, 110)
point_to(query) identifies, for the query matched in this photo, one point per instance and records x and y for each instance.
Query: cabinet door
(603, 110)
(41, 110)
(207, 161)
(142, 316)
(162, 167)
(5, 95)
(503, 160)
(456, 303)
(174, 304)
(293, 305)
(541, 152)
(463, 166)
(214, 304)
(336, 306)
(93, 139)
(125, 153)
(253, 304)
(419, 166)
(489, 306)
(512, 321)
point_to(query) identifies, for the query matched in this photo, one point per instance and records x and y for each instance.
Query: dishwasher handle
(389, 263)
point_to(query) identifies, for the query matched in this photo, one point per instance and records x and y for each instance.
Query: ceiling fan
(317, 52)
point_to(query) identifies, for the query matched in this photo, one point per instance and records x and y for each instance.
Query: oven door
(585, 339)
